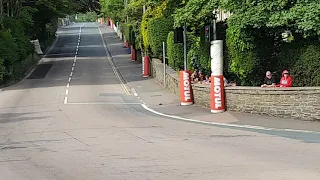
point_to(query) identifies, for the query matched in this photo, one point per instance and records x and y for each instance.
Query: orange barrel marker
(186, 94)
(133, 54)
(146, 66)
(217, 96)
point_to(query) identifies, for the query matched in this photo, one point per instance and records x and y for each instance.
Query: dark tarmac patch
(41, 71)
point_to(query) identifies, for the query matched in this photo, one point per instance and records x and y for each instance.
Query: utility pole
(185, 45)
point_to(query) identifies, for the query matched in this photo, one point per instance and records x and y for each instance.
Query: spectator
(201, 76)
(269, 80)
(207, 80)
(286, 79)
(195, 75)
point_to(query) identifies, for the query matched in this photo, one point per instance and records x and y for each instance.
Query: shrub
(305, 70)
(8, 49)
(17, 30)
(128, 33)
(158, 32)
(144, 32)
(175, 53)
(2, 70)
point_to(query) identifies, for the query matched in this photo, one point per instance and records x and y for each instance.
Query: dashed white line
(73, 66)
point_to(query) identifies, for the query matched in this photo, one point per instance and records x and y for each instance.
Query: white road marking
(224, 124)
(72, 69)
(124, 87)
(134, 92)
(103, 103)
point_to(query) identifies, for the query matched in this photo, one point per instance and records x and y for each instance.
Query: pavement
(82, 115)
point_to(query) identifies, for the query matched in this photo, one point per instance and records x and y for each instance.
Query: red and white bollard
(186, 94)
(146, 66)
(217, 94)
(133, 54)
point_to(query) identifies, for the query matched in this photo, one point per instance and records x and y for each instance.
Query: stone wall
(296, 102)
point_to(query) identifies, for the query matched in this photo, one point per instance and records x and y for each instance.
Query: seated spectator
(201, 76)
(269, 80)
(207, 80)
(226, 83)
(195, 76)
(286, 79)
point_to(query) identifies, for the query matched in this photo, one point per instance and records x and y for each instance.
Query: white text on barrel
(186, 85)
(217, 93)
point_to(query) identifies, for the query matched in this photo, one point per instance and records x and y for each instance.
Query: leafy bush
(144, 31)
(2, 70)
(302, 60)
(128, 33)
(8, 53)
(175, 53)
(17, 31)
(87, 17)
(158, 33)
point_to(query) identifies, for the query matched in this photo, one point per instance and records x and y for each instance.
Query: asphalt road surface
(73, 119)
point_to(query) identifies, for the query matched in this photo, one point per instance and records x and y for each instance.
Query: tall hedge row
(159, 28)
(174, 52)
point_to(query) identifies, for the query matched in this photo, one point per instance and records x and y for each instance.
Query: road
(74, 119)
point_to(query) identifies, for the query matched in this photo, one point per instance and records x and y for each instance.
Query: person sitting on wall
(195, 76)
(201, 76)
(286, 79)
(269, 80)
(206, 80)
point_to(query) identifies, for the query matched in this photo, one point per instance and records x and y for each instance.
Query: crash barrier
(186, 94)
(37, 46)
(296, 102)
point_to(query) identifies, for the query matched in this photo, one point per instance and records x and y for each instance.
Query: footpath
(168, 104)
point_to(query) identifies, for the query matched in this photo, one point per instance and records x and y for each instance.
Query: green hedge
(128, 34)
(174, 52)
(2, 71)
(158, 32)
(8, 52)
(302, 60)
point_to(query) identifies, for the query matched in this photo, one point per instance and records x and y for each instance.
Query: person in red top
(286, 80)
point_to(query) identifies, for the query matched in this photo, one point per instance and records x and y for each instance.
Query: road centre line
(73, 66)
